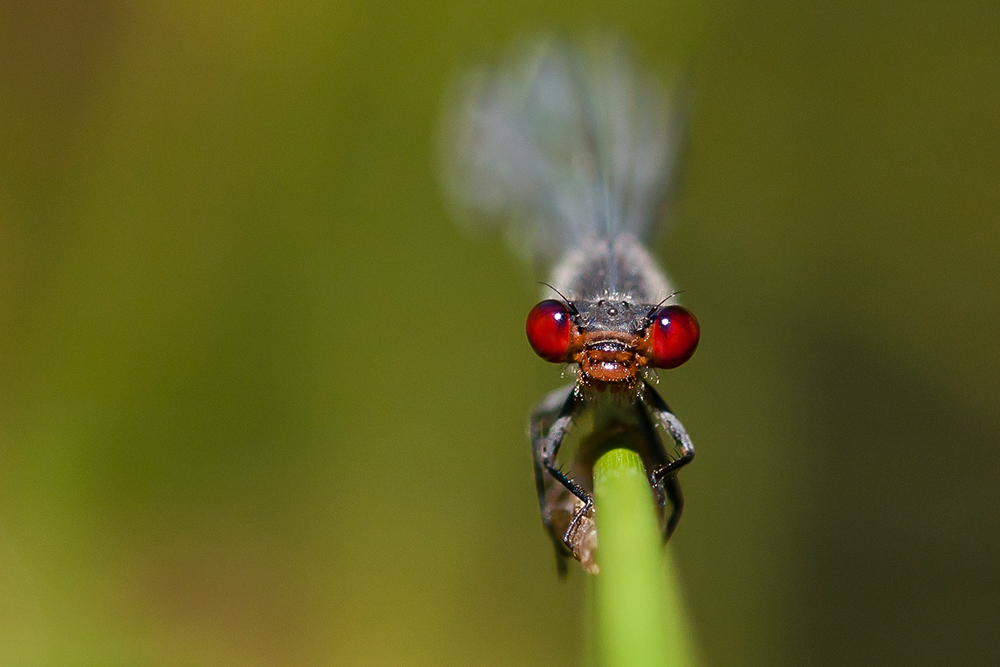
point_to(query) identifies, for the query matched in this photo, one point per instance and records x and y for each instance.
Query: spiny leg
(656, 458)
(549, 426)
(544, 415)
(546, 412)
(673, 488)
(667, 489)
(664, 474)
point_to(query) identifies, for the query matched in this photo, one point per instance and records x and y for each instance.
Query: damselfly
(570, 150)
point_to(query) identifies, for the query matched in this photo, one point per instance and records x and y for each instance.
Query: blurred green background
(261, 403)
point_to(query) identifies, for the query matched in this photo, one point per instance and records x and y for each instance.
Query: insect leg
(548, 428)
(545, 413)
(664, 475)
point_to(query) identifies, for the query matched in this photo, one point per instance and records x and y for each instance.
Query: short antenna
(569, 304)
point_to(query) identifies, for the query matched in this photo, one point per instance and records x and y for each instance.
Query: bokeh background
(262, 403)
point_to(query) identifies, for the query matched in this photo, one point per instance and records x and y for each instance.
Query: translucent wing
(559, 144)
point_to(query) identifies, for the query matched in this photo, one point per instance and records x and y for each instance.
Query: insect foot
(581, 538)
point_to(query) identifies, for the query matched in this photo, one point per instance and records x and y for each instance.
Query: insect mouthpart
(610, 361)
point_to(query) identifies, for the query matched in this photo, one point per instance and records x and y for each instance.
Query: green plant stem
(638, 611)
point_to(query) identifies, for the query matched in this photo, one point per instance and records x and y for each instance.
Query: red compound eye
(548, 329)
(675, 336)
